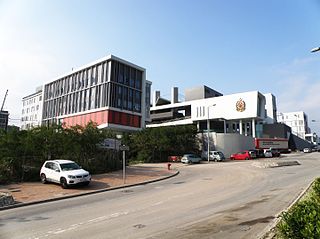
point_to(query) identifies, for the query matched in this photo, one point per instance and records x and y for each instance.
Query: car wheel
(43, 178)
(63, 183)
(86, 183)
(247, 158)
(189, 162)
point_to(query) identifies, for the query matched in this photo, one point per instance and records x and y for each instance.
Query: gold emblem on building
(240, 105)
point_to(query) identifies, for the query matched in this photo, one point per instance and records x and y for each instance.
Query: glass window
(130, 99)
(138, 80)
(132, 77)
(137, 101)
(99, 76)
(121, 73)
(127, 75)
(125, 97)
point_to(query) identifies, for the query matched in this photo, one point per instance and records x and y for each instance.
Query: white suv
(65, 172)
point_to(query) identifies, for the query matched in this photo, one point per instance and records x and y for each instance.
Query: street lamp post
(208, 134)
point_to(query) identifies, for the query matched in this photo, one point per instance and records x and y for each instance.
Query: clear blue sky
(230, 45)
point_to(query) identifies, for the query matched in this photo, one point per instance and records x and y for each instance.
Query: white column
(240, 127)
(253, 128)
(224, 126)
(245, 129)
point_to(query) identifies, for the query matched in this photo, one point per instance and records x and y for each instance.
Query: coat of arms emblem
(240, 105)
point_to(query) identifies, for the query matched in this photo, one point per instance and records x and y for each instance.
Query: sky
(231, 46)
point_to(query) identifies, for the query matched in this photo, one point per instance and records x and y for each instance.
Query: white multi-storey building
(298, 121)
(32, 110)
(242, 113)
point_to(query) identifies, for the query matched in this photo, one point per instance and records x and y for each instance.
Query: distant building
(112, 92)
(32, 110)
(4, 116)
(298, 121)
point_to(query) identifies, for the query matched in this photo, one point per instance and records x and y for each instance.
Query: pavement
(36, 192)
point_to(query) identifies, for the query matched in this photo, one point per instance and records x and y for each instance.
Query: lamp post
(208, 133)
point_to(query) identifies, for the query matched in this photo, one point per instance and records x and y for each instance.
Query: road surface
(216, 200)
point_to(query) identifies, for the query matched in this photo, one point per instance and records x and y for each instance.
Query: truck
(266, 143)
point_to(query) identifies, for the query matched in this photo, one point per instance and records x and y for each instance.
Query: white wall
(225, 107)
(270, 108)
(227, 143)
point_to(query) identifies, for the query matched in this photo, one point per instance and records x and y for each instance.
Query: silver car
(190, 158)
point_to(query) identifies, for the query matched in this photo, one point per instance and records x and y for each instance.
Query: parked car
(260, 153)
(174, 158)
(244, 155)
(307, 150)
(64, 172)
(190, 158)
(267, 153)
(213, 156)
(253, 153)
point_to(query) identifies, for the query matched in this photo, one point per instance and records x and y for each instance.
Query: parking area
(36, 191)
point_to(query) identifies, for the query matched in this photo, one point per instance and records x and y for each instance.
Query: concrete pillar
(174, 95)
(156, 96)
(224, 126)
(245, 129)
(240, 126)
(253, 128)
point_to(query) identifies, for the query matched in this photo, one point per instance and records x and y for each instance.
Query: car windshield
(69, 166)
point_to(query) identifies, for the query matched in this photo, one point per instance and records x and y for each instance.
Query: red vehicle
(244, 155)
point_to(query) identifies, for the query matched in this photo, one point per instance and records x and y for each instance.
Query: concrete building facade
(298, 121)
(112, 92)
(4, 117)
(32, 110)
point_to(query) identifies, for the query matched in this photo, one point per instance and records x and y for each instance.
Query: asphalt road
(216, 200)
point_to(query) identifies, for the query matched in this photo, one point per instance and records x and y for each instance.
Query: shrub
(316, 188)
(302, 221)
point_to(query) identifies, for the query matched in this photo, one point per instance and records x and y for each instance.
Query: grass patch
(303, 219)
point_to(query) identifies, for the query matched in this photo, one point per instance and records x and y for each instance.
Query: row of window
(30, 118)
(126, 98)
(92, 76)
(78, 81)
(201, 111)
(31, 101)
(109, 94)
(32, 109)
(126, 75)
